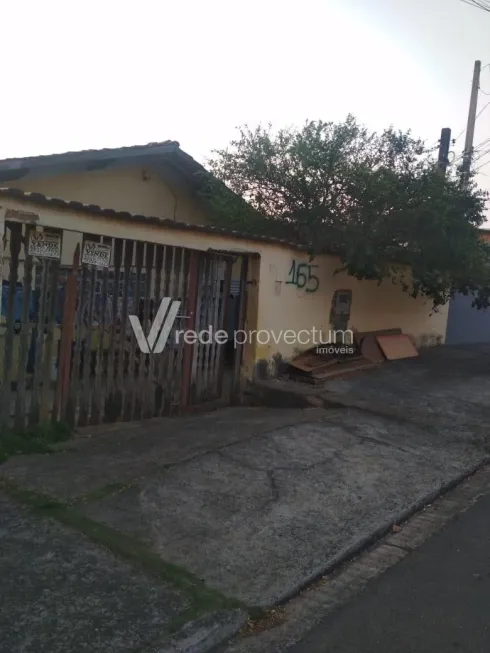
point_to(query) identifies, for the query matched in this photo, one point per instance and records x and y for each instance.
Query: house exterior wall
(282, 305)
(136, 190)
(275, 302)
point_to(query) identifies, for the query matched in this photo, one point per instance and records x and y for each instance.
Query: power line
(484, 92)
(482, 165)
(482, 154)
(479, 4)
(482, 144)
(459, 135)
(458, 158)
(476, 150)
(482, 110)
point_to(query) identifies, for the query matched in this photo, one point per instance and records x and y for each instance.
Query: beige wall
(273, 303)
(282, 305)
(136, 190)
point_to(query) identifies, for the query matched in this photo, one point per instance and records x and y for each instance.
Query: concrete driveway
(257, 502)
(445, 390)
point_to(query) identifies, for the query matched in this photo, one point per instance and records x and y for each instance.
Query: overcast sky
(106, 73)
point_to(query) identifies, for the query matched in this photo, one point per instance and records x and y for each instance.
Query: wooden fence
(69, 352)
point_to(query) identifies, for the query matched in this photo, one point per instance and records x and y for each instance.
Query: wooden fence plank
(110, 403)
(147, 387)
(191, 310)
(242, 310)
(20, 397)
(86, 385)
(100, 372)
(6, 395)
(66, 344)
(153, 367)
(47, 394)
(226, 307)
(122, 362)
(206, 348)
(166, 357)
(132, 387)
(182, 325)
(38, 336)
(171, 346)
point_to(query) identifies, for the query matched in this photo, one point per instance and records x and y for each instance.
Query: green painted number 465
(300, 275)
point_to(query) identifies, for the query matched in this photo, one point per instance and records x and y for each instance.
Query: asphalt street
(437, 600)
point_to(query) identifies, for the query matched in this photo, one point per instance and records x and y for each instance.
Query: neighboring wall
(467, 324)
(136, 190)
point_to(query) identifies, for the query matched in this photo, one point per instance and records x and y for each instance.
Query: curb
(364, 543)
(204, 634)
(305, 611)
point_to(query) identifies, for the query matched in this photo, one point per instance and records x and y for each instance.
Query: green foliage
(36, 438)
(376, 200)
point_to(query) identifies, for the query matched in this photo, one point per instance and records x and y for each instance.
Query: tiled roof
(93, 209)
(86, 154)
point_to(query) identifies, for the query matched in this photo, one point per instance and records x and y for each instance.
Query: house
(137, 209)
(157, 179)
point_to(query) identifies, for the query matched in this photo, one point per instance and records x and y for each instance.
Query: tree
(376, 200)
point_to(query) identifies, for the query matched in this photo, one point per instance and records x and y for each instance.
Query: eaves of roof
(39, 199)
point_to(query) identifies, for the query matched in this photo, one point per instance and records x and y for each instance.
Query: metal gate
(69, 352)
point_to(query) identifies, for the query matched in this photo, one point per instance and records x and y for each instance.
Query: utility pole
(443, 156)
(470, 129)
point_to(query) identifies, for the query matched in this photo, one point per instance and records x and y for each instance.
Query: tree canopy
(375, 199)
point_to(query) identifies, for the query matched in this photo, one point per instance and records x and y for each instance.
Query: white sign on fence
(44, 244)
(96, 254)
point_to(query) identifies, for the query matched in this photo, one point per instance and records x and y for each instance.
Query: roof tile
(93, 209)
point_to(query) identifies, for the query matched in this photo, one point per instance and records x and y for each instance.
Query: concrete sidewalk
(257, 502)
(62, 593)
(259, 518)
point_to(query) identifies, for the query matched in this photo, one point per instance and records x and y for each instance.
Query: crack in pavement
(287, 468)
(157, 469)
(354, 431)
(219, 449)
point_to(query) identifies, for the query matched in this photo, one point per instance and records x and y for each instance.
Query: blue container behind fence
(17, 300)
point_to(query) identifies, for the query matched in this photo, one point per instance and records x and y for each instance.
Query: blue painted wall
(466, 324)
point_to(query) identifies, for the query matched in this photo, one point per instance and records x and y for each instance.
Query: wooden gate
(69, 352)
